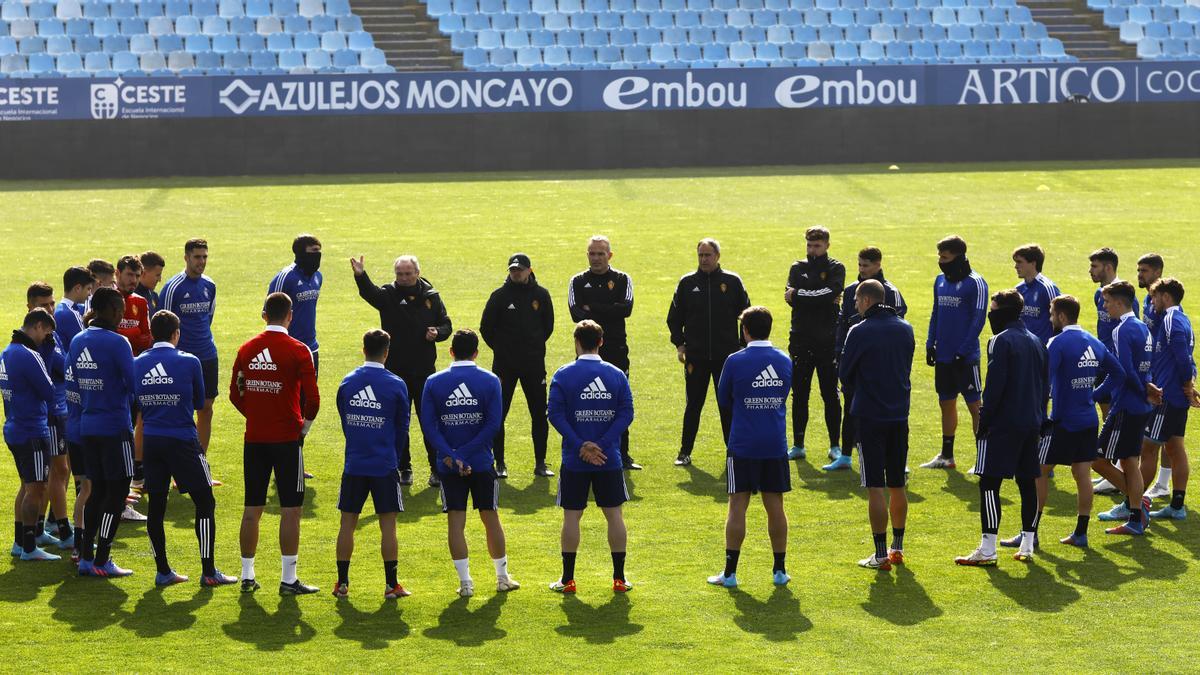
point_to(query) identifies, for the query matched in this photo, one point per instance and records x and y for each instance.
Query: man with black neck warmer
(952, 347)
(301, 281)
(412, 313)
(870, 266)
(1010, 421)
(517, 321)
(813, 288)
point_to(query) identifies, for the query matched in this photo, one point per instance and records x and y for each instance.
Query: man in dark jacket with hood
(813, 290)
(412, 313)
(517, 321)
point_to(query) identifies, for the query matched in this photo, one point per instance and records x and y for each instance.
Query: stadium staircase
(406, 34)
(1081, 30)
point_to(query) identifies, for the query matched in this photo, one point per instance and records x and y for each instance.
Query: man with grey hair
(411, 311)
(605, 295)
(703, 320)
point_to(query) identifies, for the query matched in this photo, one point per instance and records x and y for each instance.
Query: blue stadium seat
(125, 62)
(322, 23)
(897, 51)
(278, 42)
(333, 41)
(883, 33)
(461, 41)
(87, 44)
(268, 24)
(1157, 31)
(70, 9)
(582, 56)
(583, 20)
(291, 59)
(224, 44)
(141, 44)
(1148, 49)
(516, 38)
(130, 27)
(872, 51)
(556, 56)
(935, 33)
(1026, 49)
(306, 41)
(204, 7)
(196, 43)
(180, 60)
(857, 33)
(50, 28)
(556, 21)
(647, 36)
(96, 61)
(207, 60)
(57, 44)
(214, 25)
(349, 24)
(313, 58)
(923, 52)
(621, 38)
(41, 64)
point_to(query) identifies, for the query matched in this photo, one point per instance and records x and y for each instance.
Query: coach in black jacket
(814, 289)
(412, 313)
(704, 329)
(517, 321)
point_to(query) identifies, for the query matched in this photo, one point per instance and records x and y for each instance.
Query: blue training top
(590, 400)
(1104, 323)
(169, 387)
(461, 411)
(102, 362)
(54, 356)
(373, 407)
(1076, 359)
(194, 301)
(959, 312)
(755, 383)
(304, 290)
(876, 363)
(1133, 347)
(27, 392)
(1171, 364)
(68, 321)
(1036, 313)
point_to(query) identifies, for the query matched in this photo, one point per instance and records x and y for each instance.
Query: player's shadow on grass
(1095, 570)
(1036, 591)
(703, 484)
(900, 599)
(966, 487)
(603, 624)
(778, 619)
(155, 617)
(1153, 563)
(836, 485)
(25, 580)
(1174, 530)
(374, 630)
(538, 494)
(90, 604)
(466, 628)
(269, 632)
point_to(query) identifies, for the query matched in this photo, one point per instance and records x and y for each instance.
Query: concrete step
(408, 37)
(1081, 29)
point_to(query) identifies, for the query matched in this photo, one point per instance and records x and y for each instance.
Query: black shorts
(1121, 436)
(33, 460)
(1062, 447)
(483, 486)
(285, 460)
(1008, 453)
(1103, 398)
(882, 453)
(164, 458)
(58, 436)
(77, 458)
(1166, 422)
(608, 487)
(752, 475)
(211, 371)
(960, 377)
(109, 457)
(384, 491)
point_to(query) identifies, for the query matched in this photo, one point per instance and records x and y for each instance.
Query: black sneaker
(308, 476)
(501, 470)
(434, 481)
(543, 471)
(406, 477)
(630, 465)
(683, 459)
(249, 585)
(297, 587)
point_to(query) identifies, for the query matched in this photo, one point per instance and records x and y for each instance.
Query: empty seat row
(184, 63)
(95, 9)
(1114, 16)
(438, 8)
(142, 44)
(1133, 32)
(188, 25)
(1099, 5)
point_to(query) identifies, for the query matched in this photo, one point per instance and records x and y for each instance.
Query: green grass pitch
(1122, 604)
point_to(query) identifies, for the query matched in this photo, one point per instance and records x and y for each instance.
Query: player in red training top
(135, 324)
(273, 373)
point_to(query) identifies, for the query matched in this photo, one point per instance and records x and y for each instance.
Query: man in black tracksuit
(870, 266)
(517, 321)
(814, 288)
(1010, 420)
(412, 313)
(703, 320)
(605, 295)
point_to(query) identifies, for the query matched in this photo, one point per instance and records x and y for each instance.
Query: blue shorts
(754, 475)
(1166, 422)
(109, 457)
(33, 459)
(882, 453)
(1121, 436)
(1062, 447)
(164, 458)
(608, 487)
(1008, 453)
(384, 491)
(483, 486)
(959, 377)
(211, 371)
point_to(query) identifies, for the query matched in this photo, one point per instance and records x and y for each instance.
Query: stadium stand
(96, 38)
(598, 34)
(1159, 29)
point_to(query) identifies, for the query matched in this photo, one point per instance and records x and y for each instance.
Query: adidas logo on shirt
(1088, 359)
(511, 306)
(461, 396)
(596, 390)
(767, 378)
(587, 284)
(365, 398)
(157, 375)
(85, 362)
(263, 361)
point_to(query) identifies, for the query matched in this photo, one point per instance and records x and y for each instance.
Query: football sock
(880, 545)
(343, 567)
(463, 569)
(568, 565)
(1081, 526)
(247, 568)
(731, 561)
(1177, 499)
(64, 528)
(948, 447)
(155, 530)
(389, 573)
(28, 538)
(898, 538)
(618, 560)
(778, 566)
(501, 564)
(288, 564)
